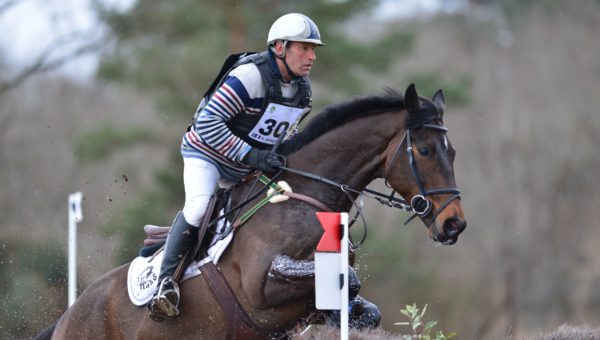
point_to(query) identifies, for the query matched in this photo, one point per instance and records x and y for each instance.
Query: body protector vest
(245, 125)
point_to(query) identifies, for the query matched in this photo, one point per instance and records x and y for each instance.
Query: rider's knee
(194, 210)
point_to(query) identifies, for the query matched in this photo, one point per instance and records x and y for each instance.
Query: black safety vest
(243, 123)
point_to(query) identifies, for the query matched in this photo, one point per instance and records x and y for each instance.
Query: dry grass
(567, 332)
(329, 332)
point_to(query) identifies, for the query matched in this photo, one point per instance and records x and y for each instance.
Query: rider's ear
(279, 47)
(411, 98)
(439, 101)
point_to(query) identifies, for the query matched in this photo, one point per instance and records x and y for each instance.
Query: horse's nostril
(451, 233)
(453, 227)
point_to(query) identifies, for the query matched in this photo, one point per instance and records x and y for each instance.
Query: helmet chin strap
(282, 57)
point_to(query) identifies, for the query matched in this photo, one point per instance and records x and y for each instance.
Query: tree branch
(45, 62)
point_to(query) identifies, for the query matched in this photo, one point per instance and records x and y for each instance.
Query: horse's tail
(46, 334)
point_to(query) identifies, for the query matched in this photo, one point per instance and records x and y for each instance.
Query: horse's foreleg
(285, 268)
(289, 279)
(362, 314)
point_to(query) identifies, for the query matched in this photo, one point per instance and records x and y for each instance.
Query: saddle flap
(156, 232)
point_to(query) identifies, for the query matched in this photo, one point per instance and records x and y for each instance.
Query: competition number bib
(276, 120)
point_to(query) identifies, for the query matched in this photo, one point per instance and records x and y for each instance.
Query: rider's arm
(237, 94)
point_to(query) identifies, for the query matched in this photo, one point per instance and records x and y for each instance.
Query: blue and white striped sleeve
(227, 102)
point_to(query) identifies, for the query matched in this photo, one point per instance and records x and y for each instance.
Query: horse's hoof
(364, 314)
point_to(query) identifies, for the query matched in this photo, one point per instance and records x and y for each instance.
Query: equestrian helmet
(294, 27)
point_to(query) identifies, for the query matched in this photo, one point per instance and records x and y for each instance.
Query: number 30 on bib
(276, 120)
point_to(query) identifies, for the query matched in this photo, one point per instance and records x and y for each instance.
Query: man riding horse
(254, 102)
(263, 285)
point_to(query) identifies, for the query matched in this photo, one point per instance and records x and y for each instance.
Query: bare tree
(59, 52)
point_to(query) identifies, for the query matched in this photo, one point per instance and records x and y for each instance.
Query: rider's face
(300, 57)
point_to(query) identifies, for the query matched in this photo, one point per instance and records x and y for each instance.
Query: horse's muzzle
(452, 228)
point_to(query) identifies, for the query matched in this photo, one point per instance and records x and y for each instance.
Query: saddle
(239, 324)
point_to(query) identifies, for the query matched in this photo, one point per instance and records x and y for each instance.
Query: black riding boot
(182, 238)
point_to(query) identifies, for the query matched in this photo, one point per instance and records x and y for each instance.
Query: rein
(389, 200)
(420, 204)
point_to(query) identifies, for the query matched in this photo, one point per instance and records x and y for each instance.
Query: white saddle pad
(142, 277)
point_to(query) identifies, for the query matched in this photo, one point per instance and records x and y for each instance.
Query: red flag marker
(330, 242)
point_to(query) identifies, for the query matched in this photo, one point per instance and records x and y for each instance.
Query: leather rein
(420, 204)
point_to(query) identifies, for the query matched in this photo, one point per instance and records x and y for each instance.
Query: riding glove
(264, 160)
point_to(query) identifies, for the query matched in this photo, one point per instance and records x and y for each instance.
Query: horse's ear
(411, 98)
(439, 101)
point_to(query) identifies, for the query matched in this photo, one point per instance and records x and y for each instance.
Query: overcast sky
(31, 26)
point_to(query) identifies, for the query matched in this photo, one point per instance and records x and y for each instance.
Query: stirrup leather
(167, 298)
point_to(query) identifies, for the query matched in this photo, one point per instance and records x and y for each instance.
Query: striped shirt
(210, 139)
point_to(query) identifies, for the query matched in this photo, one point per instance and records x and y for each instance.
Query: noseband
(420, 203)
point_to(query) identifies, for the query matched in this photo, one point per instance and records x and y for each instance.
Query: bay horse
(267, 265)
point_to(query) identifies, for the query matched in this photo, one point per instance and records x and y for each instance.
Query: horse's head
(419, 166)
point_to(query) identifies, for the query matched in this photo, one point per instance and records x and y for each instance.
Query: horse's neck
(352, 154)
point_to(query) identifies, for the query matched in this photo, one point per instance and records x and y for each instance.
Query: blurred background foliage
(33, 285)
(519, 79)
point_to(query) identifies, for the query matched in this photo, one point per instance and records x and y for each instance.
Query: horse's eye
(425, 152)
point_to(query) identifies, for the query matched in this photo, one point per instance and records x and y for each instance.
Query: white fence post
(331, 267)
(75, 216)
(344, 271)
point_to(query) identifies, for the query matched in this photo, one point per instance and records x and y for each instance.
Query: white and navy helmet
(294, 27)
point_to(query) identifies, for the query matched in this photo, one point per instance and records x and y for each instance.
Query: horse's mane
(338, 114)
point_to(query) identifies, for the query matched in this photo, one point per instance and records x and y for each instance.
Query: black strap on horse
(387, 200)
(420, 204)
(239, 324)
(391, 201)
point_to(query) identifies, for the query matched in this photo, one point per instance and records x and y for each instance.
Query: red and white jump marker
(331, 267)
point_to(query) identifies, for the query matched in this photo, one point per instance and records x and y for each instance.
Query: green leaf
(429, 325)
(424, 309)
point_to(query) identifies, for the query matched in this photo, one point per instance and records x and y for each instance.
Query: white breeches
(200, 179)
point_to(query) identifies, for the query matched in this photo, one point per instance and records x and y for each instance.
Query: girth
(239, 324)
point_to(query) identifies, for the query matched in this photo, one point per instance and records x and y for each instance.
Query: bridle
(420, 203)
